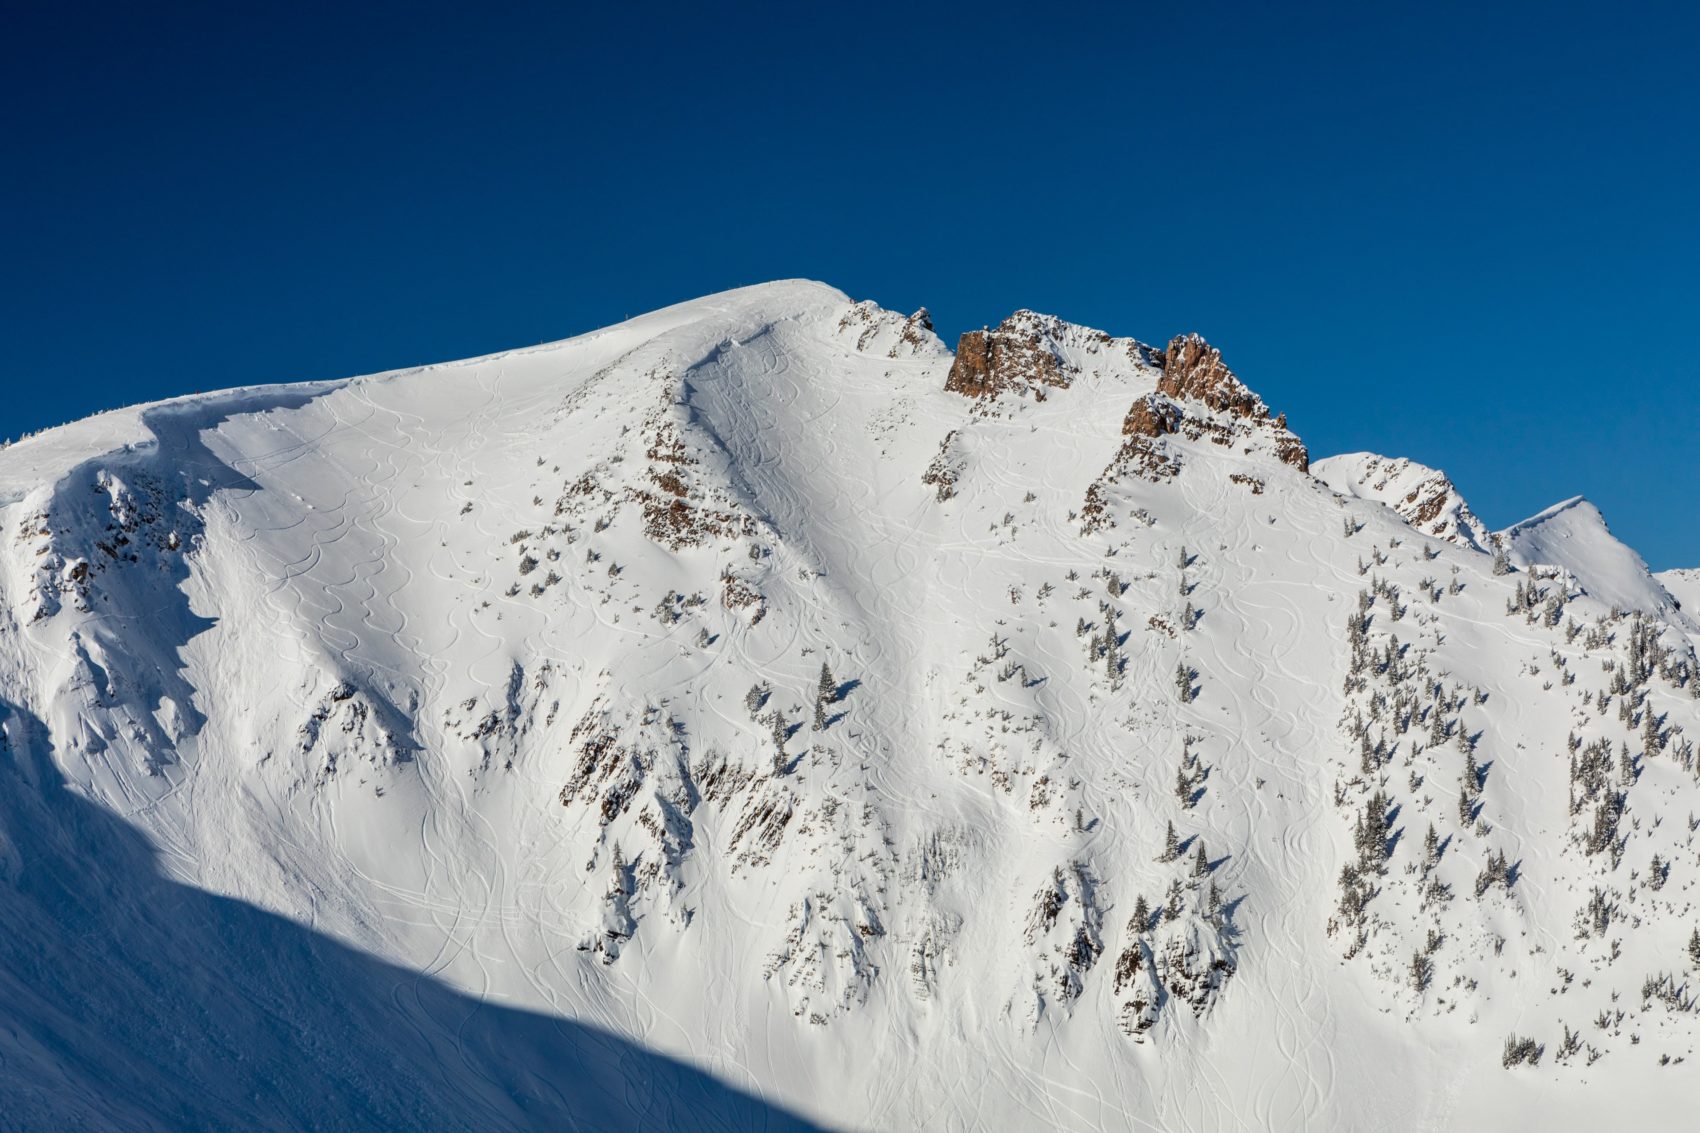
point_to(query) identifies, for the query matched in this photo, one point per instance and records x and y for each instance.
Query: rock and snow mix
(756, 711)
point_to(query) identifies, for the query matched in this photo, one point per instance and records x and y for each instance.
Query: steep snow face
(1683, 584)
(755, 713)
(1574, 537)
(1425, 497)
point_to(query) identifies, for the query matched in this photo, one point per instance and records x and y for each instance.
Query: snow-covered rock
(1425, 497)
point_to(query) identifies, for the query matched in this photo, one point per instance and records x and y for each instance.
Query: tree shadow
(130, 1001)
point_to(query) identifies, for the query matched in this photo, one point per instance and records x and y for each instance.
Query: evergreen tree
(1652, 742)
(1422, 969)
(776, 722)
(1694, 948)
(1112, 651)
(1171, 844)
(1172, 910)
(1200, 861)
(825, 694)
(1141, 922)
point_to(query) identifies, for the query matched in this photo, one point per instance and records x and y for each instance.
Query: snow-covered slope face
(1425, 497)
(1683, 584)
(1573, 536)
(756, 712)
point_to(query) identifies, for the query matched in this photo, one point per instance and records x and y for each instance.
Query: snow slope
(452, 748)
(1425, 497)
(1573, 536)
(1683, 584)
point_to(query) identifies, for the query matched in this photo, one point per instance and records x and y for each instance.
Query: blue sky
(1469, 239)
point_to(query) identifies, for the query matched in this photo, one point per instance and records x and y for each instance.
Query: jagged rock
(1193, 370)
(1194, 966)
(1019, 355)
(874, 330)
(1151, 416)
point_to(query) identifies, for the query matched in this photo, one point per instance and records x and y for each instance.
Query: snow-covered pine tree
(1501, 561)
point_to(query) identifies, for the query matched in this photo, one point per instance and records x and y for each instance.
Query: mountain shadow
(130, 1001)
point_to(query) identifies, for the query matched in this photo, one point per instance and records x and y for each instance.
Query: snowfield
(757, 715)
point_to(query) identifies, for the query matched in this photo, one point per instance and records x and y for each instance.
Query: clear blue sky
(1469, 239)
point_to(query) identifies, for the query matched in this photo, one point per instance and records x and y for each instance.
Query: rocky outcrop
(874, 330)
(1152, 416)
(1197, 399)
(1193, 370)
(1020, 354)
(1425, 497)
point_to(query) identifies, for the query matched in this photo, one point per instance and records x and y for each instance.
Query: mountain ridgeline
(757, 713)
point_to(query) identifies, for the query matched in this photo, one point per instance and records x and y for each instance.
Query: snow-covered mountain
(1573, 535)
(757, 714)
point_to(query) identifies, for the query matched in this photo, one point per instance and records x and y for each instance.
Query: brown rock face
(1150, 417)
(1291, 450)
(971, 371)
(1015, 355)
(1192, 368)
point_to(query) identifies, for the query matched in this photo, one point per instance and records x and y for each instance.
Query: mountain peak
(1028, 353)
(1573, 536)
(1193, 371)
(1192, 368)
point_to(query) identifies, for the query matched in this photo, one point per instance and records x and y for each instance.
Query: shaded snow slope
(755, 713)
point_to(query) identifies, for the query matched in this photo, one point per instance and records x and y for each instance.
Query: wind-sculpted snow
(1573, 536)
(753, 714)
